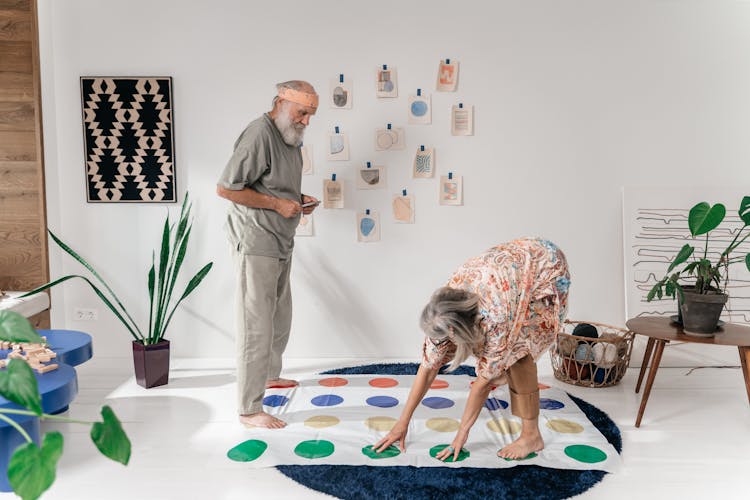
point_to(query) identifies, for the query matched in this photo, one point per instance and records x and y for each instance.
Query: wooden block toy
(47, 368)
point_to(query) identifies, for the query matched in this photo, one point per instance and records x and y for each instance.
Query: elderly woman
(504, 307)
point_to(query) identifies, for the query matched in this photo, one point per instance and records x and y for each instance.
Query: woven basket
(589, 362)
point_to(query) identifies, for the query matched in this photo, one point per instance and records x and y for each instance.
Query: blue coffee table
(58, 389)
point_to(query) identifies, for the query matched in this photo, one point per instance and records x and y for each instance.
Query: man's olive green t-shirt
(264, 162)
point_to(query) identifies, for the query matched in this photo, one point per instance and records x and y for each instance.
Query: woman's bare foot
(281, 383)
(263, 420)
(522, 447)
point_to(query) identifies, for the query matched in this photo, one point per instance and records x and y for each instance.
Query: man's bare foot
(281, 383)
(263, 420)
(522, 447)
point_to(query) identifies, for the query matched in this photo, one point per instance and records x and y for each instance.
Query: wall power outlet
(85, 314)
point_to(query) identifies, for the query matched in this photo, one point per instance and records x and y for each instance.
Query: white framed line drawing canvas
(447, 78)
(307, 159)
(341, 93)
(462, 120)
(655, 226)
(390, 139)
(338, 147)
(451, 190)
(368, 226)
(403, 208)
(333, 194)
(305, 225)
(373, 177)
(424, 164)
(386, 81)
(420, 109)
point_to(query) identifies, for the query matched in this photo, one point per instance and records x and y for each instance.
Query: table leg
(745, 361)
(644, 364)
(650, 381)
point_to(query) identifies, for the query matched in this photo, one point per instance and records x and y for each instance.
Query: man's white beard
(291, 132)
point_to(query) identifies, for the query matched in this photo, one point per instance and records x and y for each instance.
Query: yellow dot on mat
(443, 424)
(564, 426)
(320, 421)
(380, 423)
(504, 426)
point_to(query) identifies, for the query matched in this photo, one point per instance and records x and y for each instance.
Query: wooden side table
(660, 331)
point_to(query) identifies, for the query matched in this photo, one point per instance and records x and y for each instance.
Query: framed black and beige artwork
(128, 139)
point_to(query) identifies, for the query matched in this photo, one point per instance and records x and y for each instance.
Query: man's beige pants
(524, 388)
(264, 318)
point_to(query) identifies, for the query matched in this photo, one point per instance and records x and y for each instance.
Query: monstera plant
(32, 467)
(698, 276)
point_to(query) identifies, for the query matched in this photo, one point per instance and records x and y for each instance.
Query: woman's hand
(398, 433)
(455, 448)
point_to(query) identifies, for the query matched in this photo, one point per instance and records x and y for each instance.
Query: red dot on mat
(333, 382)
(383, 382)
(542, 387)
(439, 384)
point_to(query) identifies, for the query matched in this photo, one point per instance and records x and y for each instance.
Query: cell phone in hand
(310, 204)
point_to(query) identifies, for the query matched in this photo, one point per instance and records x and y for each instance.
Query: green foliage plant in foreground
(31, 470)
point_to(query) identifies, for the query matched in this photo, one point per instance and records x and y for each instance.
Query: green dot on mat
(390, 452)
(527, 457)
(316, 448)
(247, 451)
(585, 454)
(462, 455)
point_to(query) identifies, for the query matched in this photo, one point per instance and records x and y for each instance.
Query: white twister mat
(333, 419)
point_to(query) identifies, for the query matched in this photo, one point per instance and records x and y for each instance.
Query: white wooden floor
(694, 442)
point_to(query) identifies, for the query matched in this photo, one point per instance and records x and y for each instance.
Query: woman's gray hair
(456, 313)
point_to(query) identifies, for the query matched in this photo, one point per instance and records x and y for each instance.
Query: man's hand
(309, 199)
(287, 208)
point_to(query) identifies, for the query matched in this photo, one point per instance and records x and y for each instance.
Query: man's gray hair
(299, 85)
(455, 312)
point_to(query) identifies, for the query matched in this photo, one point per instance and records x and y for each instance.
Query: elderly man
(263, 181)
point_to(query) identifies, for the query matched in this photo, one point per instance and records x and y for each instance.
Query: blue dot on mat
(327, 400)
(437, 403)
(275, 400)
(550, 404)
(493, 404)
(382, 401)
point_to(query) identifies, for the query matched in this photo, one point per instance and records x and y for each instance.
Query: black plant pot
(151, 363)
(700, 313)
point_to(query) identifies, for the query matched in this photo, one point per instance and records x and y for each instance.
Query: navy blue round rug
(414, 483)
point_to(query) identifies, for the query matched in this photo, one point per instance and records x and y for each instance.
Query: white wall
(573, 100)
